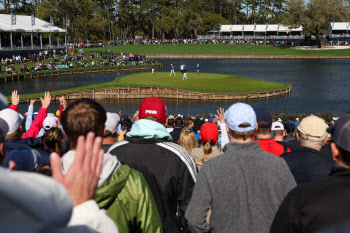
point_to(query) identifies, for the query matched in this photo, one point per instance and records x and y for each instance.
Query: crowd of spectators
(70, 58)
(237, 170)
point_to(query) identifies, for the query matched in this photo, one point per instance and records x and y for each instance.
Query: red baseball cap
(153, 106)
(209, 131)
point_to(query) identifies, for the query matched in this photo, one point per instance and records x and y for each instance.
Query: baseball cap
(10, 121)
(340, 132)
(24, 157)
(263, 115)
(240, 113)
(112, 122)
(277, 126)
(313, 128)
(209, 131)
(153, 106)
(49, 121)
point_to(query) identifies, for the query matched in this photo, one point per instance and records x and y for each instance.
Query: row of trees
(111, 19)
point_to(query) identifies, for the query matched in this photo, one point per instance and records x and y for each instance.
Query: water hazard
(319, 85)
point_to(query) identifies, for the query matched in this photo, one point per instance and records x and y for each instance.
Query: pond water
(319, 85)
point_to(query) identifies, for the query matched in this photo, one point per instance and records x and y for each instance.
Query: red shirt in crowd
(271, 146)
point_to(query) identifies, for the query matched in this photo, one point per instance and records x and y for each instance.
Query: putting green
(204, 82)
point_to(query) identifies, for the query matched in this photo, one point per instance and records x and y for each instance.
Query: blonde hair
(53, 140)
(187, 140)
(208, 149)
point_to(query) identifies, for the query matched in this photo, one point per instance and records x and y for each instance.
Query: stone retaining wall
(166, 93)
(242, 56)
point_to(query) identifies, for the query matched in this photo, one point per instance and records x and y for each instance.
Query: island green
(205, 83)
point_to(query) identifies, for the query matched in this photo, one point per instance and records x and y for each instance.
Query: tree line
(111, 19)
(93, 20)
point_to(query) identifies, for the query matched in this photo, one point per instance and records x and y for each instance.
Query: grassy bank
(205, 82)
(218, 49)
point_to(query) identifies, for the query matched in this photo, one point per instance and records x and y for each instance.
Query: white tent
(338, 28)
(259, 28)
(24, 25)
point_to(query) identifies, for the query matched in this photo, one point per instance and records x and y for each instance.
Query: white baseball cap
(277, 126)
(49, 121)
(9, 121)
(112, 122)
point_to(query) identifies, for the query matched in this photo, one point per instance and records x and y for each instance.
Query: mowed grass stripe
(205, 82)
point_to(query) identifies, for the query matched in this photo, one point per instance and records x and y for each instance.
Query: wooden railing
(166, 93)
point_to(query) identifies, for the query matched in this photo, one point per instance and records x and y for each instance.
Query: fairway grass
(202, 49)
(205, 83)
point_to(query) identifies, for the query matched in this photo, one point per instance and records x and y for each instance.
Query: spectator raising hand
(224, 134)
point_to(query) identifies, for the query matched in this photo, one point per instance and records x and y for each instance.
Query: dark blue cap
(340, 132)
(263, 115)
(24, 157)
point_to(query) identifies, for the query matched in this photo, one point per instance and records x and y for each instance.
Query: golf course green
(205, 83)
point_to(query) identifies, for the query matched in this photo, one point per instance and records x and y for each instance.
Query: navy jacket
(308, 165)
(314, 206)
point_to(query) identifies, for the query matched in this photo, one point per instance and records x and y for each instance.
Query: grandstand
(260, 30)
(339, 31)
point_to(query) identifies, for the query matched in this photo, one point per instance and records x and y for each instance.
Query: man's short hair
(179, 122)
(278, 132)
(187, 122)
(242, 135)
(171, 122)
(290, 128)
(265, 130)
(81, 117)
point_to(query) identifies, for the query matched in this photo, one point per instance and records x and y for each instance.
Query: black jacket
(314, 206)
(175, 134)
(169, 171)
(308, 165)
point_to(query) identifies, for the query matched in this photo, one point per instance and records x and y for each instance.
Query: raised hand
(45, 102)
(32, 102)
(220, 115)
(14, 98)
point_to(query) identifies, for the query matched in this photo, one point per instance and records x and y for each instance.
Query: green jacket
(129, 202)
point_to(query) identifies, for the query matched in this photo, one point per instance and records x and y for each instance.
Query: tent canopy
(259, 28)
(24, 24)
